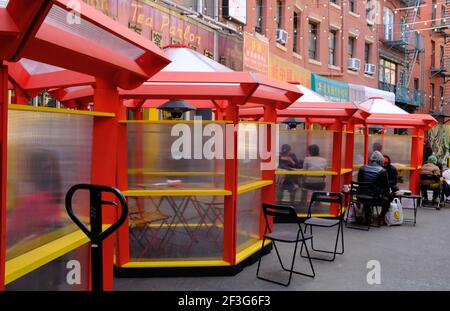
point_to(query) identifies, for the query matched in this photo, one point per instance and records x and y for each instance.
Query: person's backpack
(394, 216)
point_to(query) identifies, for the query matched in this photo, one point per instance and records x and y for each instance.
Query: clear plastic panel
(358, 151)
(34, 67)
(312, 149)
(58, 275)
(3, 3)
(59, 17)
(47, 154)
(248, 219)
(296, 190)
(176, 227)
(403, 183)
(397, 147)
(155, 161)
(249, 155)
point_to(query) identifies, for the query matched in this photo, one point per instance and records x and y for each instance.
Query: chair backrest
(283, 213)
(364, 189)
(429, 177)
(325, 197)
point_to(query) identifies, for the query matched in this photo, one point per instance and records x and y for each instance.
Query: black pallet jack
(95, 234)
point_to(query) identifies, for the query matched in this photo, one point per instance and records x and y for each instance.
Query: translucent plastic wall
(403, 182)
(176, 227)
(170, 155)
(249, 154)
(358, 151)
(47, 154)
(69, 272)
(248, 219)
(300, 140)
(397, 147)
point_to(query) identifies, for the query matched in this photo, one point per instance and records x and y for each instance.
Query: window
(388, 21)
(332, 48)
(433, 12)
(416, 84)
(433, 54)
(369, 8)
(388, 72)
(352, 5)
(279, 18)
(296, 28)
(442, 57)
(441, 96)
(403, 29)
(351, 47)
(259, 16)
(367, 48)
(431, 96)
(443, 17)
(313, 40)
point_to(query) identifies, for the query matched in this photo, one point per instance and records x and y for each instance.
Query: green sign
(333, 90)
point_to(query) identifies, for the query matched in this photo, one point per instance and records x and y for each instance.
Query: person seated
(288, 161)
(313, 162)
(392, 173)
(375, 173)
(430, 179)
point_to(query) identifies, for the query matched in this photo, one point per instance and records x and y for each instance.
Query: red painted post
(366, 144)
(3, 167)
(123, 242)
(231, 182)
(336, 163)
(349, 151)
(416, 159)
(268, 193)
(104, 161)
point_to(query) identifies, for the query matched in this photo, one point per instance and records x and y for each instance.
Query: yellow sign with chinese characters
(283, 70)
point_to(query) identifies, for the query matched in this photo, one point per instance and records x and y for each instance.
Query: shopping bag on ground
(394, 216)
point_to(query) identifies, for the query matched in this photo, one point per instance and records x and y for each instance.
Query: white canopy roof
(187, 60)
(380, 105)
(309, 96)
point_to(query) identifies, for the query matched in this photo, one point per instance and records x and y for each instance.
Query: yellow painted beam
(252, 249)
(174, 122)
(308, 131)
(175, 192)
(32, 260)
(405, 168)
(346, 170)
(63, 111)
(311, 173)
(168, 263)
(254, 186)
(147, 173)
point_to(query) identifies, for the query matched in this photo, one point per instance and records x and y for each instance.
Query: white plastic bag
(394, 216)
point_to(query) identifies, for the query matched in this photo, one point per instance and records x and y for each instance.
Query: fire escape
(410, 44)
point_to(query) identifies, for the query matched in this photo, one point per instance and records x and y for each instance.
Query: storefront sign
(256, 54)
(235, 9)
(230, 51)
(159, 24)
(283, 70)
(331, 89)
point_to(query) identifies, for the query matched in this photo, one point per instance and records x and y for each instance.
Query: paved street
(411, 258)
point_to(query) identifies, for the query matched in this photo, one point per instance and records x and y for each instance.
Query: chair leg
(291, 270)
(340, 232)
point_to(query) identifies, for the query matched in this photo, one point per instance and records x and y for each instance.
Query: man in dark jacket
(375, 174)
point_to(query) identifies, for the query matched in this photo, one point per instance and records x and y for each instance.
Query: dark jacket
(377, 175)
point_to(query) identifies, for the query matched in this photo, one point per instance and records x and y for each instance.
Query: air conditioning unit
(282, 36)
(370, 69)
(354, 64)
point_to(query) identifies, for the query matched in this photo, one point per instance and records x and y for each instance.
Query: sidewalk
(411, 258)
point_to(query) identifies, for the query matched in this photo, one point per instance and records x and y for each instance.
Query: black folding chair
(288, 215)
(366, 194)
(436, 180)
(329, 222)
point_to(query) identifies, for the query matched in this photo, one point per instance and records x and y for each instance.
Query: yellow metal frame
(346, 171)
(255, 122)
(34, 259)
(309, 173)
(63, 111)
(175, 122)
(405, 168)
(308, 131)
(177, 193)
(170, 263)
(254, 186)
(250, 250)
(137, 171)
